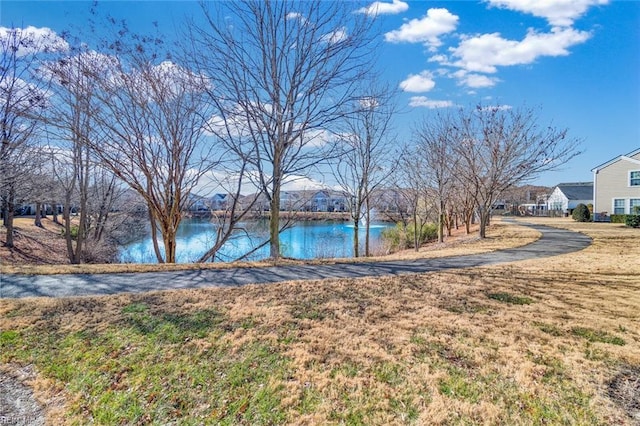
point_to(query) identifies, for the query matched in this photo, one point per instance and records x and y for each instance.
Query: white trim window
(619, 205)
(634, 206)
(634, 178)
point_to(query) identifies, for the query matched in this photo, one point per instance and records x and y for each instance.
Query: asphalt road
(553, 242)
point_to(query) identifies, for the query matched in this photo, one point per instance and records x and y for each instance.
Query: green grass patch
(510, 298)
(346, 369)
(8, 337)
(458, 384)
(404, 408)
(389, 373)
(551, 329)
(600, 336)
(159, 368)
(309, 400)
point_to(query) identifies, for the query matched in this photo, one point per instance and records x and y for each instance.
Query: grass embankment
(544, 341)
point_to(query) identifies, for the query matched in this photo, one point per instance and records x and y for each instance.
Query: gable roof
(618, 158)
(577, 190)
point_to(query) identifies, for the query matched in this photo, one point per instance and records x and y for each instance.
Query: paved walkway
(553, 242)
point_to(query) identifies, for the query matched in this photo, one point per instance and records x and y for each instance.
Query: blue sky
(578, 61)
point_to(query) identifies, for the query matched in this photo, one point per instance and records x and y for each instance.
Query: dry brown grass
(429, 349)
(43, 251)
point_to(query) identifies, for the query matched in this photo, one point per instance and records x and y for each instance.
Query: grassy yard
(552, 341)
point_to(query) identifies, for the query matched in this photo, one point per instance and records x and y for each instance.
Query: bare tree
(152, 114)
(412, 184)
(435, 144)
(463, 205)
(284, 71)
(501, 147)
(366, 157)
(70, 120)
(37, 184)
(22, 101)
(228, 218)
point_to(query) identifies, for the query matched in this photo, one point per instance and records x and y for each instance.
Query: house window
(634, 206)
(634, 178)
(618, 206)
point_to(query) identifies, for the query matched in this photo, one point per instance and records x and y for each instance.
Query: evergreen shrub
(581, 213)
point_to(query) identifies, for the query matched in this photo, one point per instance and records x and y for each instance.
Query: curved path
(553, 242)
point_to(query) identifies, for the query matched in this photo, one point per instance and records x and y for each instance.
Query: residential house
(566, 196)
(198, 203)
(220, 201)
(325, 201)
(616, 186)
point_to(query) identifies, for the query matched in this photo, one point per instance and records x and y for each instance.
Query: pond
(305, 240)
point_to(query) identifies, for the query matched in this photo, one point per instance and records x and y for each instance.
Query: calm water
(306, 240)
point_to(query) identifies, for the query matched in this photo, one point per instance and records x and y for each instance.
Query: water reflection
(306, 240)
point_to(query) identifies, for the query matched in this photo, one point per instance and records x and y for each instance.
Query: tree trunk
(367, 228)
(154, 235)
(169, 239)
(356, 238)
(416, 239)
(38, 220)
(66, 215)
(484, 222)
(274, 221)
(440, 221)
(82, 232)
(355, 215)
(10, 209)
(54, 210)
(467, 223)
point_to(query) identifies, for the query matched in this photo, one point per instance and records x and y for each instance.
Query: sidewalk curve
(552, 242)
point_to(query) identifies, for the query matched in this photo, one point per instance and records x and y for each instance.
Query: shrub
(618, 218)
(73, 231)
(632, 220)
(400, 237)
(581, 213)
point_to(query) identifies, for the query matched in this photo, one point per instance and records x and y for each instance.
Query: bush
(73, 231)
(400, 237)
(581, 213)
(618, 218)
(632, 220)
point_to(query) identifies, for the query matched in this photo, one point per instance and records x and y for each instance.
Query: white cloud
(369, 102)
(31, 40)
(486, 52)
(316, 138)
(296, 16)
(418, 83)
(423, 101)
(22, 95)
(301, 183)
(222, 182)
(474, 80)
(382, 8)
(496, 107)
(428, 29)
(335, 36)
(558, 12)
(442, 59)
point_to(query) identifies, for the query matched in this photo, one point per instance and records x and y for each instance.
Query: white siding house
(616, 186)
(566, 196)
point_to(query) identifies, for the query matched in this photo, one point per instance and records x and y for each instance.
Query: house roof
(613, 160)
(577, 190)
